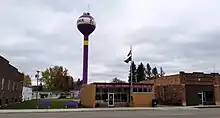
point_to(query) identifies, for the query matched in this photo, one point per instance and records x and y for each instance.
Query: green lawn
(56, 104)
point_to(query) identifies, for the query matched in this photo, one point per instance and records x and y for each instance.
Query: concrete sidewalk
(92, 109)
(206, 106)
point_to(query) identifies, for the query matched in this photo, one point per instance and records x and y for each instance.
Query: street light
(37, 77)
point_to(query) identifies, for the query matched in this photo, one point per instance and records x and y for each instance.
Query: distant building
(27, 93)
(195, 88)
(11, 83)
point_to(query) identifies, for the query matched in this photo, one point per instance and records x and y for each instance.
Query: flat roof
(103, 83)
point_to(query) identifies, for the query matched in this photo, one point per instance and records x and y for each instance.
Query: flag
(129, 54)
(128, 57)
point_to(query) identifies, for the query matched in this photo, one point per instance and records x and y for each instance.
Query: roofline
(4, 58)
(103, 83)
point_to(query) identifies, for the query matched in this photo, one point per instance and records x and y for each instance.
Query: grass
(56, 104)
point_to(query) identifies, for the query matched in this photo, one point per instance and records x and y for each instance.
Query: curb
(92, 109)
(204, 107)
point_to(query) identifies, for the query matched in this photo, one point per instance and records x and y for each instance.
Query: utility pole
(37, 77)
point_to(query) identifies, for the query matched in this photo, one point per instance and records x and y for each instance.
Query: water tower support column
(85, 60)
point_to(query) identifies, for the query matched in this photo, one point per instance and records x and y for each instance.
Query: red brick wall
(196, 78)
(8, 72)
(169, 94)
(176, 83)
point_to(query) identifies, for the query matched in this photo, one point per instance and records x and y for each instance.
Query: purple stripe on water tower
(85, 60)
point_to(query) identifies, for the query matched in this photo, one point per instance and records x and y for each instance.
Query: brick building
(187, 89)
(11, 83)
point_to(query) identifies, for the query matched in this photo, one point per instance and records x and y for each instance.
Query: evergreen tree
(155, 72)
(133, 70)
(148, 71)
(141, 73)
(162, 73)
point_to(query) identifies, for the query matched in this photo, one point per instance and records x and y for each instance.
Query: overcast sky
(175, 34)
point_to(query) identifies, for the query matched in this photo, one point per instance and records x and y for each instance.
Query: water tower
(86, 25)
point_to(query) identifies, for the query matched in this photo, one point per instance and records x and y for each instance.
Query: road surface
(203, 113)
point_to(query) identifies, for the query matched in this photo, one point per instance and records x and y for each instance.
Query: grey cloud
(40, 33)
(199, 51)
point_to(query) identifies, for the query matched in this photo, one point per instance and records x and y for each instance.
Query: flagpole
(131, 88)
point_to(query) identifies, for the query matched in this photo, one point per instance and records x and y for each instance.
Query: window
(104, 97)
(124, 97)
(118, 90)
(3, 81)
(140, 90)
(98, 90)
(145, 89)
(9, 84)
(208, 96)
(149, 89)
(117, 97)
(105, 90)
(111, 90)
(13, 86)
(135, 89)
(16, 86)
(98, 97)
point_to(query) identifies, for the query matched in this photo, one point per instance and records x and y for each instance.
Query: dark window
(135, 90)
(6, 101)
(105, 97)
(140, 90)
(149, 89)
(118, 90)
(145, 89)
(98, 90)
(124, 97)
(208, 96)
(98, 97)
(117, 97)
(111, 90)
(105, 90)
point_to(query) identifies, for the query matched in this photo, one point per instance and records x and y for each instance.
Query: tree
(56, 78)
(162, 73)
(27, 80)
(40, 87)
(141, 73)
(148, 71)
(71, 83)
(116, 80)
(155, 72)
(78, 84)
(133, 70)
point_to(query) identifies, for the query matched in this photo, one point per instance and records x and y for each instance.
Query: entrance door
(201, 98)
(110, 99)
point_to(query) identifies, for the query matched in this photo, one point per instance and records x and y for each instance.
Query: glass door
(201, 98)
(110, 99)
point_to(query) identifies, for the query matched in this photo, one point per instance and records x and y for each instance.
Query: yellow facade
(88, 97)
(142, 99)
